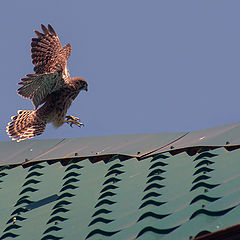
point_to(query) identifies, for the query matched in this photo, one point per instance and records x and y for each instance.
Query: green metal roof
(141, 190)
(36, 150)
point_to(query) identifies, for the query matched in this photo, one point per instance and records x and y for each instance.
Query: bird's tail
(26, 124)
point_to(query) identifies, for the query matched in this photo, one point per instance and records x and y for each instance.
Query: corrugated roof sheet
(166, 195)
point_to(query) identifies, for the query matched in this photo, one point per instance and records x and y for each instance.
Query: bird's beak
(86, 89)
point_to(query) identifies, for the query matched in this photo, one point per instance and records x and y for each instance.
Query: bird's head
(80, 83)
(84, 85)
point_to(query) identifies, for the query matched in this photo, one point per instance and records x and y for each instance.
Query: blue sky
(151, 66)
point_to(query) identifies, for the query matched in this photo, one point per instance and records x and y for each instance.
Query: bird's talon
(73, 120)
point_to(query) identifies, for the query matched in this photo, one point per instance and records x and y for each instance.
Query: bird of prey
(50, 86)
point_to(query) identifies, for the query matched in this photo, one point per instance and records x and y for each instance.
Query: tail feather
(25, 125)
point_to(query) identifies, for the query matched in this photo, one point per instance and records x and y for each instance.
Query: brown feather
(45, 30)
(50, 28)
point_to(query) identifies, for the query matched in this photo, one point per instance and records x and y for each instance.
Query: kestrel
(51, 86)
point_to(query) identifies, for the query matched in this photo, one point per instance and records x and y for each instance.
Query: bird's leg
(73, 120)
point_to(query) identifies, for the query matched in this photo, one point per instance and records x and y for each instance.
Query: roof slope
(151, 186)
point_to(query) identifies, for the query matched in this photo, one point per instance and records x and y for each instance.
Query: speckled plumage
(51, 86)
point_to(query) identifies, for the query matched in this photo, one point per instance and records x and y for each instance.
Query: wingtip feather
(51, 30)
(39, 34)
(45, 30)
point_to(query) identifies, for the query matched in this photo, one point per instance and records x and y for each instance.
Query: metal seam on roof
(107, 157)
(139, 146)
(158, 149)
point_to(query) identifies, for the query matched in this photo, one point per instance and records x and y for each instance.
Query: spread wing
(50, 61)
(37, 87)
(48, 55)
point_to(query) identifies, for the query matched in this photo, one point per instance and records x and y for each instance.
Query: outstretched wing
(50, 60)
(48, 55)
(37, 87)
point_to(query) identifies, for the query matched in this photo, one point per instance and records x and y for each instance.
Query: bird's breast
(58, 105)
